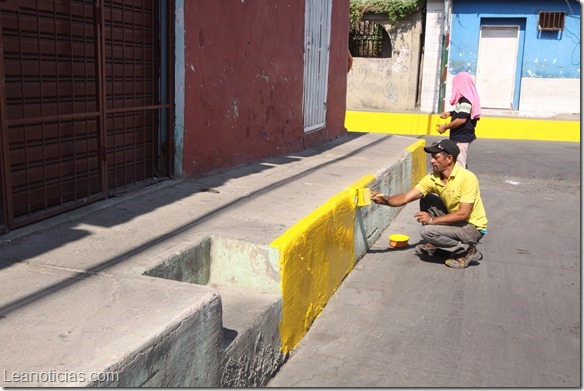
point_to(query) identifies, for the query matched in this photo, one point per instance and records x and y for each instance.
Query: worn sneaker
(472, 254)
(427, 248)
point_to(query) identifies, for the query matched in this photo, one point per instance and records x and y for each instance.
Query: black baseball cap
(447, 146)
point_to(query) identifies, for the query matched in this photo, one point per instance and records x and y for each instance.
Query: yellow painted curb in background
(419, 124)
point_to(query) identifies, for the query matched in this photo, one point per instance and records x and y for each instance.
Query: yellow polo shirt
(462, 186)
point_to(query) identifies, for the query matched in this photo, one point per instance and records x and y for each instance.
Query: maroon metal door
(81, 105)
(135, 84)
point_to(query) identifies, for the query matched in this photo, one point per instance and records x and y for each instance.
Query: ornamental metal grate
(369, 39)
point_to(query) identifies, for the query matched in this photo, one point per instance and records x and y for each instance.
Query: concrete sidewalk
(206, 283)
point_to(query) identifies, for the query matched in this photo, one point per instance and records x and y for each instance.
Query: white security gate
(497, 65)
(317, 36)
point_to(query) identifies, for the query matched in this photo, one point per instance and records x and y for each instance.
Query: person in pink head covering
(466, 113)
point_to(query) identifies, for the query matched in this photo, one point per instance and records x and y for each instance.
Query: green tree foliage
(393, 9)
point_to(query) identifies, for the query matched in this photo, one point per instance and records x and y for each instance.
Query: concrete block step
(75, 330)
(251, 336)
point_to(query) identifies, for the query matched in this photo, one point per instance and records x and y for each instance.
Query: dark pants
(454, 238)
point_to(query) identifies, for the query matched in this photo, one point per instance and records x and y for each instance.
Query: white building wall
(432, 54)
(548, 96)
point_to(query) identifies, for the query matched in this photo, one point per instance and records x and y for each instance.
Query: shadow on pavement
(28, 246)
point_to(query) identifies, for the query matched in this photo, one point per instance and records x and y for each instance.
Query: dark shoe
(427, 248)
(472, 254)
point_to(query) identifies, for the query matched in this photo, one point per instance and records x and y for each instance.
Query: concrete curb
(319, 251)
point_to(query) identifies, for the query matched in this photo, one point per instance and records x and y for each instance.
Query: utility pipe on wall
(444, 57)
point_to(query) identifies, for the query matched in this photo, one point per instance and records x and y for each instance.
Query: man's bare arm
(462, 214)
(398, 199)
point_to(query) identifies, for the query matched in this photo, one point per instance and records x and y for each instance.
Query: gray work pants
(454, 238)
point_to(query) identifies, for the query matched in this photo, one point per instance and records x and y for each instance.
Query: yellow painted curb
(316, 254)
(319, 251)
(417, 124)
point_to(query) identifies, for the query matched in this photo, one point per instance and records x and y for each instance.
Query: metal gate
(86, 103)
(317, 38)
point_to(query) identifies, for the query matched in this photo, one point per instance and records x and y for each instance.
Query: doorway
(86, 107)
(497, 66)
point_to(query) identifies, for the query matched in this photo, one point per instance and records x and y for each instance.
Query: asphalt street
(513, 319)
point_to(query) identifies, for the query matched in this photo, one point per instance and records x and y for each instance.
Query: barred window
(551, 21)
(369, 39)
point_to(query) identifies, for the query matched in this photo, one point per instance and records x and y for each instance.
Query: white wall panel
(548, 96)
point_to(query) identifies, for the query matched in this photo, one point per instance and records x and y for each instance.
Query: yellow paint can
(398, 240)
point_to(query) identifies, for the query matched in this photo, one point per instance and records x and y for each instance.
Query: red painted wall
(244, 62)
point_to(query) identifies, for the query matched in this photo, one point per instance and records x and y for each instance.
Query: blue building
(523, 54)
